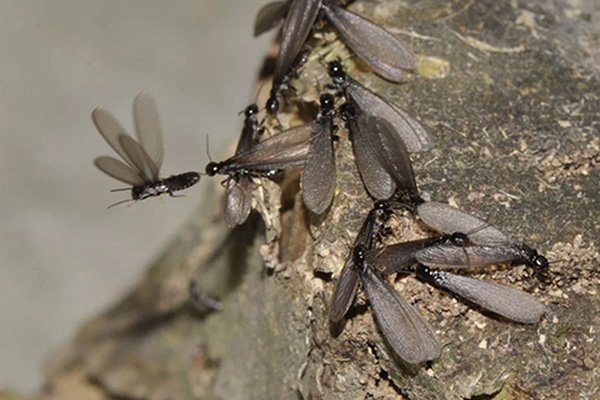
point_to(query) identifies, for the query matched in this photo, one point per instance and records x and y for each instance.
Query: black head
(348, 111)
(336, 71)
(251, 110)
(535, 260)
(459, 239)
(272, 105)
(539, 262)
(327, 104)
(212, 168)
(137, 192)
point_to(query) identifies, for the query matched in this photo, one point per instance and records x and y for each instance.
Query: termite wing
(411, 337)
(299, 21)
(319, 175)
(511, 303)
(388, 57)
(459, 251)
(347, 283)
(380, 49)
(381, 156)
(269, 16)
(143, 159)
(490, 245)
(409, 130)
(308, 146)
(238, 195)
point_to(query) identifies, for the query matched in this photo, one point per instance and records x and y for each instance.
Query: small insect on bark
(460, 251)
(411, 337)
(409, 130)
(307, 146)
(238, 195)
(143, 158)
(347, 284)
(388, 57)
(381, 156)
(300, 18)
(489, 245)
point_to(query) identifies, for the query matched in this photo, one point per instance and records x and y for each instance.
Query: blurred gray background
(63, 256)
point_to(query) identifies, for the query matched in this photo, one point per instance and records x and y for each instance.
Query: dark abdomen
(181, 181)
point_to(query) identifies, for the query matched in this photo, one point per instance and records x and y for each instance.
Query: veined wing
(378, 182)
(111, 129)
(141, 160)
(344, 292)
(118, 170)
(396, 257)
(238, 200)
(448, 256)
(390, 151)
(287, 149)
(411, 337)
(298, 23)
(447, 219)
(503, 300)
(147, 127)
(410, 131)
(269, 16)
(380, 49)
(318, 176)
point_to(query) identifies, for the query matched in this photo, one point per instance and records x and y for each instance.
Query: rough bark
(510, 90)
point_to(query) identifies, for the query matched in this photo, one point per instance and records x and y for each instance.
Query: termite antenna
(208, 149)
(117, 203)
(120, 190)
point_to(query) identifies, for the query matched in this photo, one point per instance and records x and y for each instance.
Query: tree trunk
(510, 92)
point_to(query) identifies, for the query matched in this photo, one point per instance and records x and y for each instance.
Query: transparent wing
(451, 256)
(269, 16)
(390, 151)
(296, 28)
(147, 127)
(139, 157)
(411, 337)
(238, 201)
(287, 149)
(396, 257)
(380, 49)
(410, 131)
(344, 292)
(118, 170)
(447, 219)
(378, 182)
(247, 138)
(111, 129)
(318, 176)
(503, 300)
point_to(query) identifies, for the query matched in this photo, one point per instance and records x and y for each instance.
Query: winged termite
(143, 159)
(347, 283)
(381, 50)
(238, 195)
(388, 57)
(308, 146)
(490, 245)
(508, 302)
(299, 20)
(409, 130)
(318, 178)
(411, 337)
(272, 105)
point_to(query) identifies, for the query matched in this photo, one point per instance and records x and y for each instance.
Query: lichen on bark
(510, 92)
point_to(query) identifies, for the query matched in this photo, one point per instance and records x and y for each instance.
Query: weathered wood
(511, 92)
